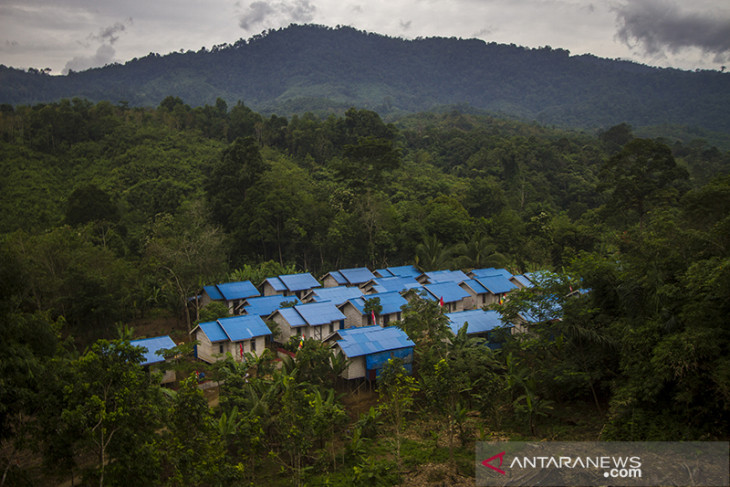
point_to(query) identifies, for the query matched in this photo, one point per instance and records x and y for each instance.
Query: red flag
(241, 345)
(441, 301)
(372, 314)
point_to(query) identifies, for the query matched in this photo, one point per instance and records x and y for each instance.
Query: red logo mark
(501, 459)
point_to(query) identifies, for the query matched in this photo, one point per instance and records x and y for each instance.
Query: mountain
(308, 67)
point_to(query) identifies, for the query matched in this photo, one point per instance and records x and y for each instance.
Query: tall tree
(230, 180)
(112, 405)
(188, 252)
(642, 176)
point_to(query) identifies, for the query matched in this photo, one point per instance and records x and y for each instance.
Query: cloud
(301, 11)
(104, 55)
(259, 11)
(104, 52)
(279, 13)
(111, 34)
(659, 25)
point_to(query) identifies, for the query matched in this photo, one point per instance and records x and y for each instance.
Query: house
(151, 359)
(387, 284)
(236, 335)
(265, 305)
(312, 320)
(355, 314)
(498, 287)
(334, 279)
(209, 295)
(348, 277)
(545, 310)
(230, 293)
(453, 297)
(481, 323)
(477, 294)
(289, 285)
(490, 271)
(434, 277)
(521, 281)
(336, 295)
(399, 271)
(370, 347)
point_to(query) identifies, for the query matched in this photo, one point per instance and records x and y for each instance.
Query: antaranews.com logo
(591, 463)
(615, 467)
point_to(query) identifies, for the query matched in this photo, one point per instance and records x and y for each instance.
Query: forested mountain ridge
(302, 68)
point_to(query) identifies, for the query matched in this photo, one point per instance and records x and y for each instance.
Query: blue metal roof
(299, 282)
(390, 301)
(337, 295)
(399, 283)
(476, 286)
(450, 291)
(153, 345)
(239, 328)
(372, 339)
(422, 293)
(292, 317)
(405, 271)
(549, 308)
(276, 283)
(358, 275)
(238, 290)
(533, 276)
(319, 313)
(479, 321)
(213, 331)
(213, 292)
(522, 279)
(497, 284)
(383, 273)
(265, 305)
(446, 276)
(490, 271)
(338, 277)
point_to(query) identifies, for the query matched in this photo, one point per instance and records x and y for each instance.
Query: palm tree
(479, 252)
(433, 255)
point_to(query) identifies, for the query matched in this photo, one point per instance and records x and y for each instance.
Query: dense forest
(112, 216)
(327, 70)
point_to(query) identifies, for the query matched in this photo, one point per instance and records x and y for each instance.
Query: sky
(79, 34)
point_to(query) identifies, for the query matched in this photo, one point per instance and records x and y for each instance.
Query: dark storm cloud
(657, 25)
(260, 13)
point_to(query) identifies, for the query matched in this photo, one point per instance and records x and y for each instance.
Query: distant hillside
(316, 68)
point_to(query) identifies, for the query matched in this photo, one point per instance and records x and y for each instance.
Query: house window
(332, 327)
(386, 320)
(253, 344)
(220, 348)
(298, 331)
